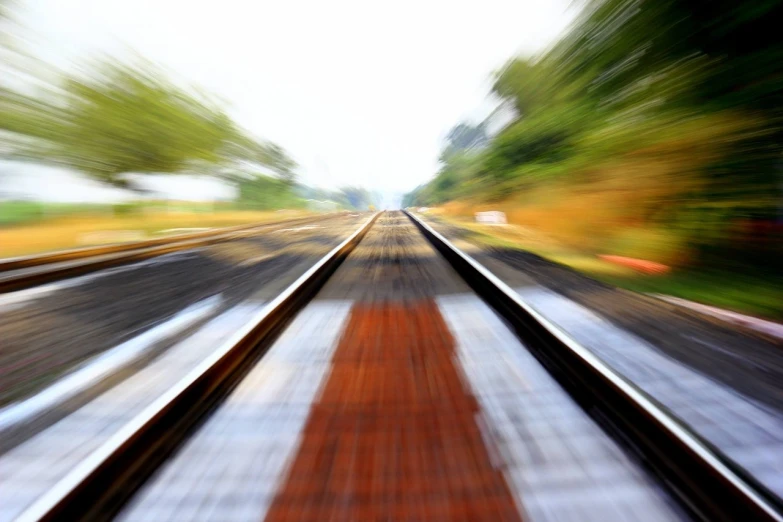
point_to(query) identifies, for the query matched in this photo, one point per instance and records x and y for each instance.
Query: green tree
(277, 159)
(637, 84)
(265, 193)
(132, 119)
(464, 136)
(356, 198)
(119, 118)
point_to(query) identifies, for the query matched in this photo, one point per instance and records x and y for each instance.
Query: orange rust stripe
(394, 435)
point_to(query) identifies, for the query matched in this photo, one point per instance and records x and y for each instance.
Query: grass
(756, 296)
(20, 212)
(72, 231)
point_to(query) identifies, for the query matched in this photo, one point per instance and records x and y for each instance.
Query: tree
(356, 198)
(691, 88)
(131, 119)
(119, 118)
(277, 159)
(265, 193)
(465, 136)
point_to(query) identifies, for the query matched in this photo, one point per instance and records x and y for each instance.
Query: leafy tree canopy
(118, 118)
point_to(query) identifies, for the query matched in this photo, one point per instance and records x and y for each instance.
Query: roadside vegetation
(115, 122)
(89, 228)
(651, 130)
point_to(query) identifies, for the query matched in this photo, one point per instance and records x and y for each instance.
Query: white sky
(40, 182)
(358, 92)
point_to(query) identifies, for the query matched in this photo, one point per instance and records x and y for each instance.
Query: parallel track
(702, 479)
(24, 272)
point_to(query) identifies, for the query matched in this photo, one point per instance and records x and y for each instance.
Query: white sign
(493, 217)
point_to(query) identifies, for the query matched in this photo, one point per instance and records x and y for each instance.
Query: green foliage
(639, 76)
(530, 141)
(266, 193)
(114, 118)
(461, 162)
(117, 118)
(751, 293)
(357, 198)
(127, 209)
(276, 158)
(464, 137)
(18, 212)
(123, 119)
(22, 212)
(347, 198)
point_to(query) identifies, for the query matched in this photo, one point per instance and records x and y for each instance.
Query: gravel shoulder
(743, 360)
(69, 322)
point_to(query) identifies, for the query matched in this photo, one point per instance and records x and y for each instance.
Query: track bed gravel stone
(394, 262)
(47, 335)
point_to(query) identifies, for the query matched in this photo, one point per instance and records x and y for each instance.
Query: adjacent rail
(24, 272)
(99, 486)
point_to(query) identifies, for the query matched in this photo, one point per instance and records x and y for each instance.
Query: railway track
(383, 385)
(24, 272)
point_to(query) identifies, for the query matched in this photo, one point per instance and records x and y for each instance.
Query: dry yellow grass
(605, 210)
(612, 207)
(538, 243)
(70, 232)
(628, 206)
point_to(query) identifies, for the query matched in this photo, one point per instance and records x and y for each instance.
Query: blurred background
(642, 147)
(636, 141)
(616, 163)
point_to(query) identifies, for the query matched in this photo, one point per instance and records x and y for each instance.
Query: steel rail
(704, 480)
(707, 482)
(24, 272)
(98, 487)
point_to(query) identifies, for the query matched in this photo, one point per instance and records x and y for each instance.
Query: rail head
(133, 452)
(708, 483)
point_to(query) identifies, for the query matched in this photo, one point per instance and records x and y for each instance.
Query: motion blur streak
(621, 173)
(644, 148)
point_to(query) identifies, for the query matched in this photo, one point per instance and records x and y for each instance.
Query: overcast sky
(359, 93)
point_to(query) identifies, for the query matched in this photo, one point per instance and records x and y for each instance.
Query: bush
(18, 212)
(266, 193)
(126, 209)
